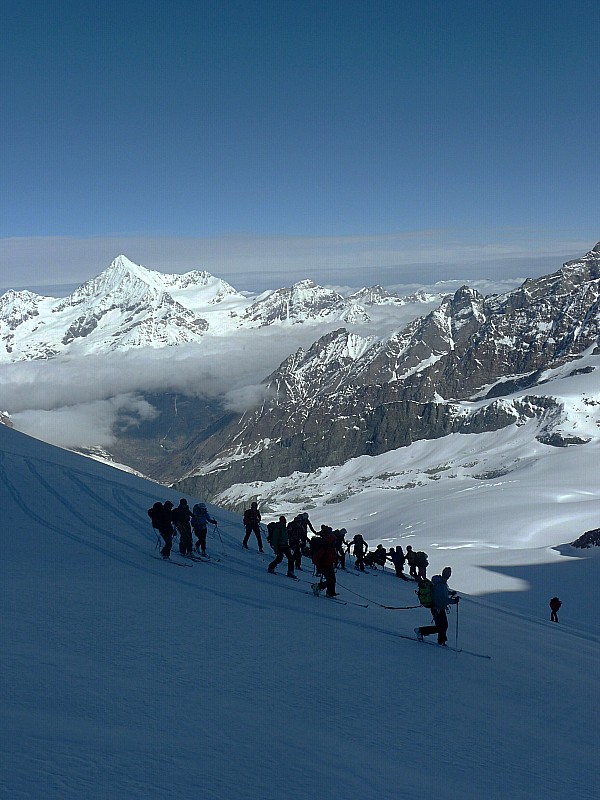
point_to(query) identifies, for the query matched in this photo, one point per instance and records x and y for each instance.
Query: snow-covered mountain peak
(123, 284)
(200, 279)
(18, 307)
(123, 307)
(301, 302)
(376, 295)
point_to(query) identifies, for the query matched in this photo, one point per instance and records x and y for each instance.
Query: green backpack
(424, 593)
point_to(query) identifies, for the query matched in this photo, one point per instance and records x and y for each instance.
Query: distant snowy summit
(303, 302)
(125, 306)
(128, 306)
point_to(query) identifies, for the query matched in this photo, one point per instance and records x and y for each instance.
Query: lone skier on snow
(441, 598)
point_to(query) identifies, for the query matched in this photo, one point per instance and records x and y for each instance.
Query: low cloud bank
(86, 424)
(77, 402)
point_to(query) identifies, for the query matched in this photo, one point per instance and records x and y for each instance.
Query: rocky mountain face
(447, 372)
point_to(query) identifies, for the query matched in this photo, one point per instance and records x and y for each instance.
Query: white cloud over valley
(76, 402)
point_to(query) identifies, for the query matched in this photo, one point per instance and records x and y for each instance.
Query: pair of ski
(447, 647)
(198, 557)
(186, 561)
(172, 561)
(318, 594)
(336, 599)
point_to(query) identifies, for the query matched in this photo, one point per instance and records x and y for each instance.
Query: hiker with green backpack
(435, 595)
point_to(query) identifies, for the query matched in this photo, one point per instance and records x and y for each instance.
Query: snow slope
(125, 677)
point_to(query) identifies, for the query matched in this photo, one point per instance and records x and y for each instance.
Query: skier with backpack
(200, 518)
(421, 564)
(252, 522)
(160, 517)
(397, 558)
(360, 548)
(294, 533)
(279, 543)
(324, 556)
(340, 542)
(410, 560)
(306, 524)
(181, 518)
(554, 604)
(435, 595)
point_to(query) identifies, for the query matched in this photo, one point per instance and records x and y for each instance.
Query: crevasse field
(125, 677)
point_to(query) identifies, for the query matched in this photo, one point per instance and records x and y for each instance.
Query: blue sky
(306, 134)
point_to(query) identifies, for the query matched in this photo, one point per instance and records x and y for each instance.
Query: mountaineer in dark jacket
(340, 543)
(181, 519)
(410, 560)
(295, 532)
(441, 598)
(421, 564)
(252, 523)
(397, 558)
(325, 558)
(554, 604)
(360, 549)
(279, 543)
(161, 521)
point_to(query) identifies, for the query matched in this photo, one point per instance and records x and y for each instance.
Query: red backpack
(326, 555)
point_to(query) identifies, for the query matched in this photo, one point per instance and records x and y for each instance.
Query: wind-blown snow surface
(125, 677)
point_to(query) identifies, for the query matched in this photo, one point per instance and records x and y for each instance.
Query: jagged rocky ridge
(348, 396)
(588, 539)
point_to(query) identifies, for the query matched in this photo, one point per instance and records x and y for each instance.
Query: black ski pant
(553, 616)
(440, 627)
(185, 538)
(359, 560)
(341, 557)
(328, 580)
(168, 537)
(297, 555)
(254, 528)
(281, 552)
(200, 531)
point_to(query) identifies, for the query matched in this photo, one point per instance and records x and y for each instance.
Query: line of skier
(327, 549)
(170, 520)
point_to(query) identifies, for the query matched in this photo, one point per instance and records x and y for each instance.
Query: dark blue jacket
(440, 594)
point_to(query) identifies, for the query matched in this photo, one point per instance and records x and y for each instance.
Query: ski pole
(221, 540)
(456, 637)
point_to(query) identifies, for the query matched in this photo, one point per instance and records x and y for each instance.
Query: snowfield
(125, 677)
